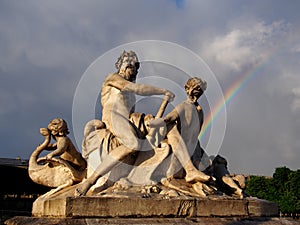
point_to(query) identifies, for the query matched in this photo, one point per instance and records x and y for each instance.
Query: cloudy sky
(46, 46)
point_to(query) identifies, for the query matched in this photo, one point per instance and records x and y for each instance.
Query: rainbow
(237, 86)
(228, 96)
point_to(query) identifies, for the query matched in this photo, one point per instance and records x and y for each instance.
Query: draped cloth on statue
(99, 141)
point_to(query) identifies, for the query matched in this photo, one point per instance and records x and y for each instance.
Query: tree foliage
(283, 188)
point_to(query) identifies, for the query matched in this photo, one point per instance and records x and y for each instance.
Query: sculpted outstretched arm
(122, 84)
(171, 117)
(174, 115)
(146, 90)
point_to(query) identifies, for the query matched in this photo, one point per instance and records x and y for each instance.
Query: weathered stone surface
(222, 207)
(131, 207)
(153, 207)
(259, 207)
(153, 221)
(52, 207)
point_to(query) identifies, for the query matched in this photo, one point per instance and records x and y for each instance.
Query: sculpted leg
(110, 161)
(179, 149)
(125, 132)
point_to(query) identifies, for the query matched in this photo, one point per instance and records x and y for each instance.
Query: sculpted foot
(239, 193)
(198, 188)
(195, 176)
(82, 189)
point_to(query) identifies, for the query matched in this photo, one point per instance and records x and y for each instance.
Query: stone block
(221, 207)
(130, 207)
(51, 207)
(260, 207)
(108, 207)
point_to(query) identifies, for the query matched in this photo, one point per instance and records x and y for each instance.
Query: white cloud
(247, 45)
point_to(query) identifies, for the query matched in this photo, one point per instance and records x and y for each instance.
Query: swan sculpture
(61, 172)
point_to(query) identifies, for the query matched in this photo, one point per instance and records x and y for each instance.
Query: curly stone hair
(194, 83)
(127, 59)
(59, 127)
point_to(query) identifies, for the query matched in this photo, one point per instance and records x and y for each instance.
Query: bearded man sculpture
(118, 99)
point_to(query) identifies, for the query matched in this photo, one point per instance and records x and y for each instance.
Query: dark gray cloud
(45, 47)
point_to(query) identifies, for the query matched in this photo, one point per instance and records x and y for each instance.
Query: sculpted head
(127, 60)
(195, 87)
(58, 127)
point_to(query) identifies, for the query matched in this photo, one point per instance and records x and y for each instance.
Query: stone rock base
(151, 210)
(152, 221)
(108, 207)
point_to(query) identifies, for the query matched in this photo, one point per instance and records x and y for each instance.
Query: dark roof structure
(17, 162)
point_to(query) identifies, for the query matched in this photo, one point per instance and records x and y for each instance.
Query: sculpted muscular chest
(115, 98)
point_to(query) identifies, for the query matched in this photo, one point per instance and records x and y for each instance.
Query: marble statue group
(138, 153)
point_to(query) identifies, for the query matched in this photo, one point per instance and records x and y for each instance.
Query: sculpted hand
(49, 156)
(44, 131)
(170, 95)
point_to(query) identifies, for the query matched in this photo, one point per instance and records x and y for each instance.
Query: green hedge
(283, 188)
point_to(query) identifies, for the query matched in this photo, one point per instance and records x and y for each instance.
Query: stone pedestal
(138, 210)
(106, 207)
(152, 221)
